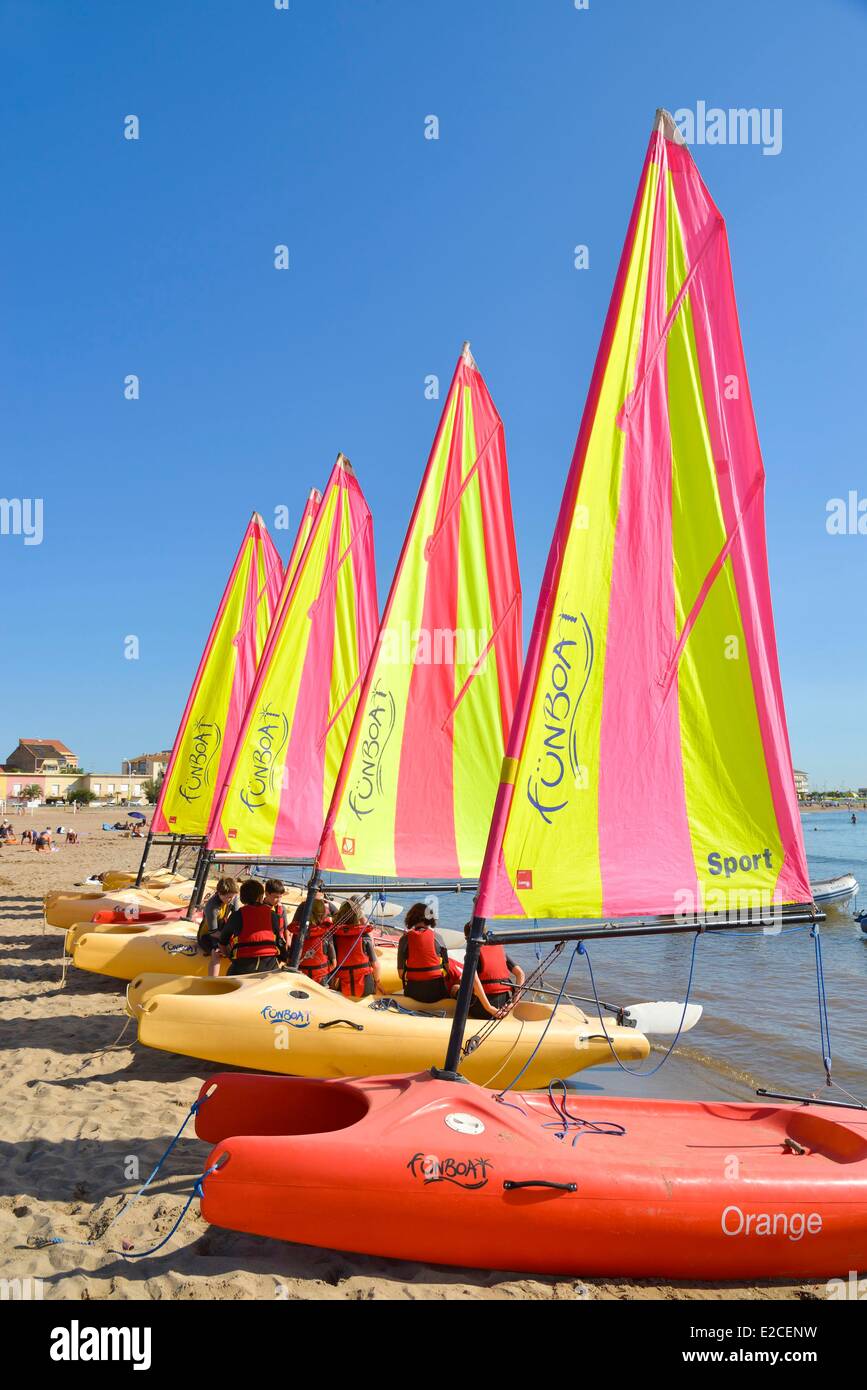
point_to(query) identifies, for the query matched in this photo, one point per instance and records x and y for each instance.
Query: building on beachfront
(149, 765)
(42, 755)
(110, 787)
(802, 783)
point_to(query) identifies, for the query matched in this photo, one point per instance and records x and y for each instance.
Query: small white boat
(835, 894)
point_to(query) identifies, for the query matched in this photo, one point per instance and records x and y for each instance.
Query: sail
(210, 722)
(417, 785)
(648, 769)
(300, 711)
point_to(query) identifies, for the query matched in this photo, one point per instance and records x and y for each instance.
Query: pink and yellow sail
(212, 716)
(648, 768)
(291, 742)
(417, 785)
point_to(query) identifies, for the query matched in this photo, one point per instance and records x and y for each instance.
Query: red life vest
(256, 937)
(493, 970)
(353, 963)
(423, 959)
(314, 958)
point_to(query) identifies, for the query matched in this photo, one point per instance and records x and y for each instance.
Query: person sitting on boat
(215, 914)
(497, 976)
(251, 936)
(317, 958)
(422, 958)
(357, 972)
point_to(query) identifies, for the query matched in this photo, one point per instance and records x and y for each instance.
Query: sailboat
(647, 776)
(413, 796)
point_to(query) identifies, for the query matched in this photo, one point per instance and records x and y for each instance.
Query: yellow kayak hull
(283, 1022)
(125, 951)
(65, 910)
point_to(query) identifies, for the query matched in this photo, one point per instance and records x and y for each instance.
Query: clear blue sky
(306, 127)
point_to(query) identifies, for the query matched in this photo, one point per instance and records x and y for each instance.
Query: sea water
(760, 1025)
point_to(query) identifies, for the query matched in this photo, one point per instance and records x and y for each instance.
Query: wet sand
(85, 1113)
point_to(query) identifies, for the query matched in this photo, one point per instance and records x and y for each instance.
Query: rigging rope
(824, 1022)
(194, 1109)
(517, 993)
(557, 1003)
(566, 1121)
(632, 1071)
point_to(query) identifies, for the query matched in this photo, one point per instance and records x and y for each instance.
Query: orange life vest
(314, 958)
(493, 970)
(353, 963)
(423, 959)
(257, 936)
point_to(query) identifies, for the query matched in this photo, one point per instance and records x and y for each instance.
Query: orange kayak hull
(442, 1172)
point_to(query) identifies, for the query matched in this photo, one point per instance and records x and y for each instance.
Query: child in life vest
(422, 958)
(497, 976)
(357, 971)
(251, 935)
(317, 956)
(215, 914)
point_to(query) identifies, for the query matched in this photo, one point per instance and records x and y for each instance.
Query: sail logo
(379, 722)
(572, 659)
(270, 737)
(730, 863)
(296, 1018)
(206, 740)
(469, 1173)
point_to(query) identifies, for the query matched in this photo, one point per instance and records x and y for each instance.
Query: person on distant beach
(27, 837)
(497, 976)
(357, 972)
(251, 936)
(216, 912)
(72, 837)
(317, 958)
(422, 958)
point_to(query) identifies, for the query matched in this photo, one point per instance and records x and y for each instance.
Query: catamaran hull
(444, 1173)
(283, 1022)
(125, 952)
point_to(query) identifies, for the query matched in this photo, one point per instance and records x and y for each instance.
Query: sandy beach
(85, 1114)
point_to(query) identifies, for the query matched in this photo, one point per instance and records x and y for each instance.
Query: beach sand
(85, 1113)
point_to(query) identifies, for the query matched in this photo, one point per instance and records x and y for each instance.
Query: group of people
(247, 924)
(38, 839)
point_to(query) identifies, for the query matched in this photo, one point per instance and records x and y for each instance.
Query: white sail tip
(343, 462)
(315, 495)
(467, 356)
(664, 122)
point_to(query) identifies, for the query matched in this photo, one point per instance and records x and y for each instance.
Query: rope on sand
(61, 1240)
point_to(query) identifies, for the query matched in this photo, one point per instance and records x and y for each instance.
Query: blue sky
(306, 127)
